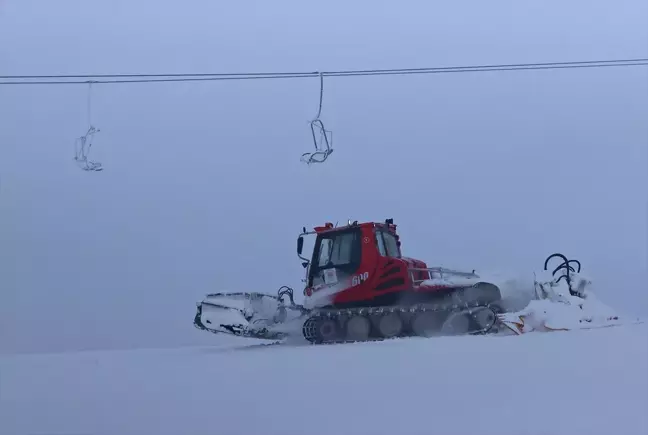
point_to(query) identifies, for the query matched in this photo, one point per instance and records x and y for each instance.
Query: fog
(203, 189)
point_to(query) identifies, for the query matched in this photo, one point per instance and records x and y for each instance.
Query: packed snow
(577, 382)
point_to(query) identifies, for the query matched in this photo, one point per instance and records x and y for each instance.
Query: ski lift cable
(323, 146)
(184, 77)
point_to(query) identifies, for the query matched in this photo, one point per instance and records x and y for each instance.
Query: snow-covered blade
(247, 314)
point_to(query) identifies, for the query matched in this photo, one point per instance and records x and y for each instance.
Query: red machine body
(365, 261)
(360, 287)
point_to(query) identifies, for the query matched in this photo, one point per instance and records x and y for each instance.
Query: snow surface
(579, 382)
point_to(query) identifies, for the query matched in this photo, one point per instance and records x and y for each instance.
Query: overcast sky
(203, 189)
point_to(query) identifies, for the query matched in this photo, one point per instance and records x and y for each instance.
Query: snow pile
(555, 308)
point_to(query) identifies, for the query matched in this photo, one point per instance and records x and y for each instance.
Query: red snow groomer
(359, 286)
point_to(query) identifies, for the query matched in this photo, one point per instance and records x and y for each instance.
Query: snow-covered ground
(580, 382)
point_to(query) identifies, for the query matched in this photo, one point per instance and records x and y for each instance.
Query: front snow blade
(241, 314)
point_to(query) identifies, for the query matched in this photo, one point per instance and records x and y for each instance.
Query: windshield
(336, 257)
(337, 250)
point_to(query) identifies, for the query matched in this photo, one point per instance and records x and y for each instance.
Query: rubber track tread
(334, 314)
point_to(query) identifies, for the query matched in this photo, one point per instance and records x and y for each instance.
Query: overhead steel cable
(189, 77)
(323, 146)
(312, 73)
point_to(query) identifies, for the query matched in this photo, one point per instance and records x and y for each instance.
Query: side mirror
(300, 245)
